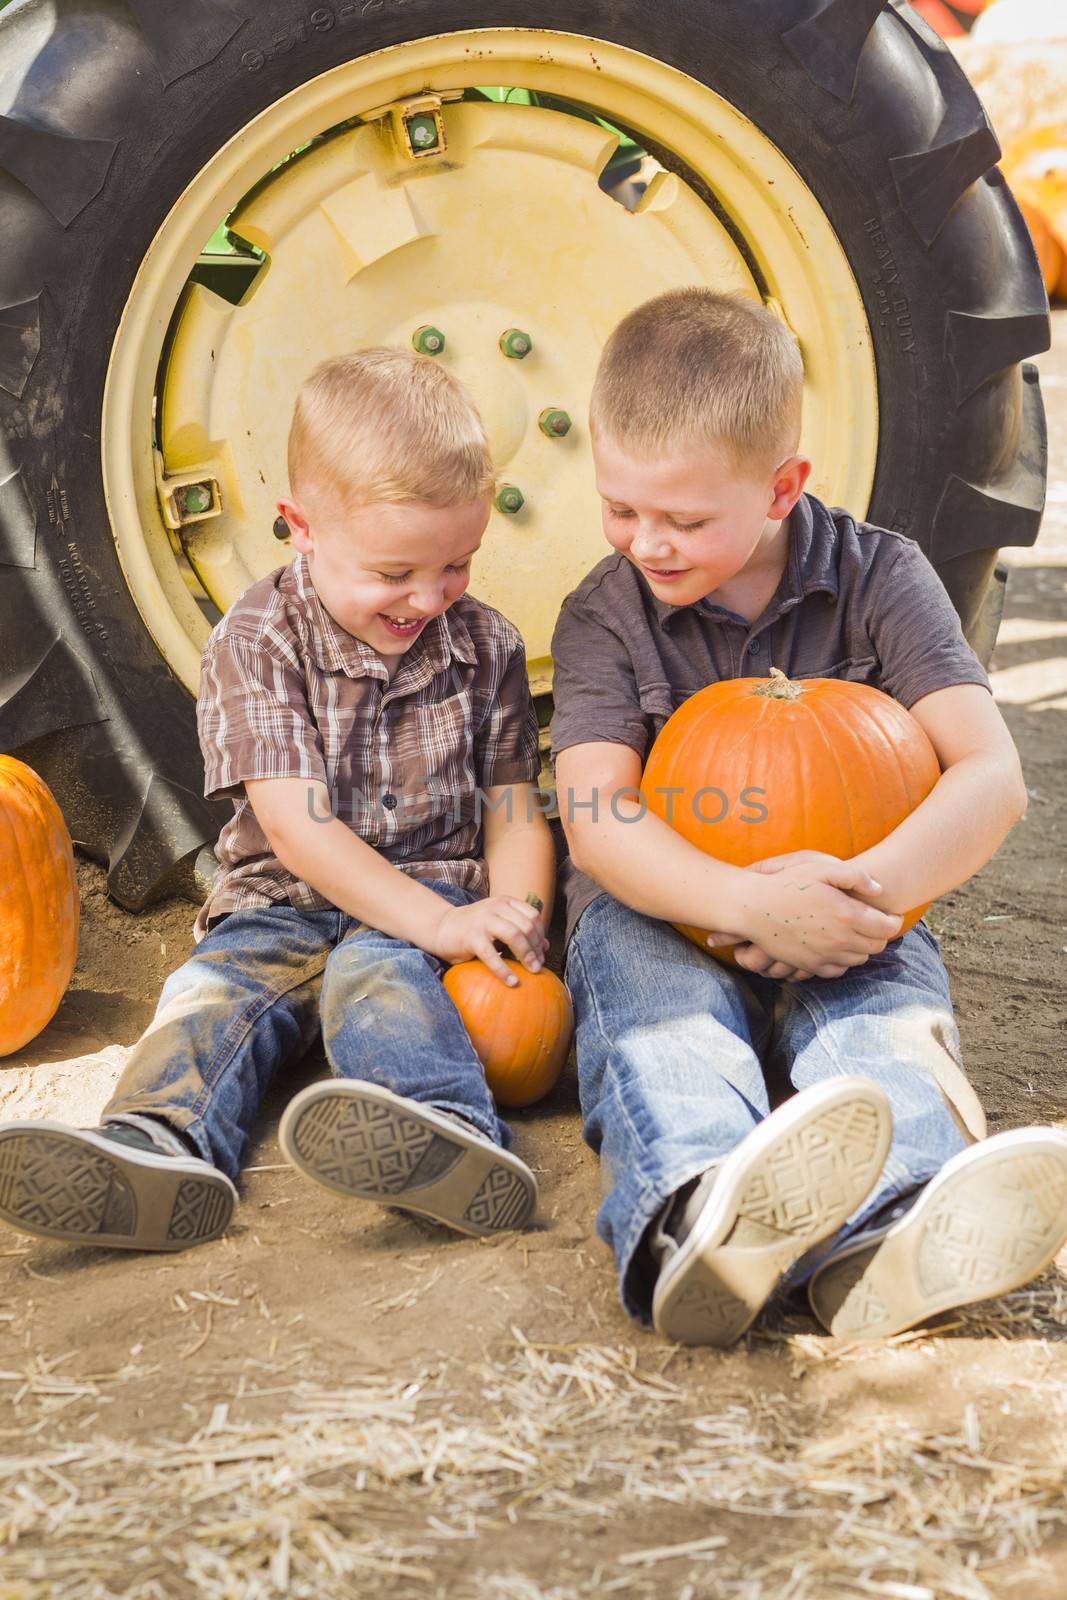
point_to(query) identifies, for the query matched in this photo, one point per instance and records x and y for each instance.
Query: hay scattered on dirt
(408, 1486)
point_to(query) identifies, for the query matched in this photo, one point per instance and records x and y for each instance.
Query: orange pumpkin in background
(1046, 248)
(521, 1034)
(1035, 165)
(39, 908)
(764, 766)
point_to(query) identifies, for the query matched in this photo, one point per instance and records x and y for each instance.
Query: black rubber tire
(120, 102)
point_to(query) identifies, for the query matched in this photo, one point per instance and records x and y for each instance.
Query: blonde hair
(389, 425)
(694, 366)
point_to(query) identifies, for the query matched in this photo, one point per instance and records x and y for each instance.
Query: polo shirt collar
(810, 567)
(334, 649)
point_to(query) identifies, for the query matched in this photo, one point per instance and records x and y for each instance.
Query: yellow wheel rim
(507, 228)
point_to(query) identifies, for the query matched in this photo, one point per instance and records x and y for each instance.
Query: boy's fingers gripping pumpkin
(523, 932)
(474, 931)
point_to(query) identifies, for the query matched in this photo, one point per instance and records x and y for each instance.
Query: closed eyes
(402, 577)
(623, 513)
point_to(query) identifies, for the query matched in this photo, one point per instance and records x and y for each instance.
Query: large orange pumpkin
(1035, 165)
(521, 1034)
(763, 766)
(39, 909)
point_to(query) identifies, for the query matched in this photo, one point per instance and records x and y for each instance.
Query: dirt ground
(336, 1400)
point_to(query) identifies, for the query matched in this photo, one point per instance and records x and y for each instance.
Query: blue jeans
(675, 1051)
(252, 998)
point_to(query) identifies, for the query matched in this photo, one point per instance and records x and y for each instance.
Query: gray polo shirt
(854, 601)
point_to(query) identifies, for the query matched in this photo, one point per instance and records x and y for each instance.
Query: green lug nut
(428, 341)
(197, 499)
(510, 499)
(422, 133)
(554, 423)
(516, 344)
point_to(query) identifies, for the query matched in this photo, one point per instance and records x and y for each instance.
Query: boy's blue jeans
(252, 997)
(671, 1051)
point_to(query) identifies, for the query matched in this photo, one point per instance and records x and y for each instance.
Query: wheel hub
(497, 240)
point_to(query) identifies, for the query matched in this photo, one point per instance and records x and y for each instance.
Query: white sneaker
(992, 1219)
(112, 1185)
(790, 1184)
(362, 1140)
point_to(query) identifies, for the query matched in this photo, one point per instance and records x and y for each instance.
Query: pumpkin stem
(779, 687)
(535, 901)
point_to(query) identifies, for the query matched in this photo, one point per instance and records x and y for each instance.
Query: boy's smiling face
(690, 521)
(383, 570)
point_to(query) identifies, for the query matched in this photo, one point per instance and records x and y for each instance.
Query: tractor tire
(113, 106)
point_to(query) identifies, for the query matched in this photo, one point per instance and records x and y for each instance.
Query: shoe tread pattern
(818, 1170)
(705, 1312)
(503, 1201)
(860, 1309)
(991, 1232)
(201, 1210)
(60, 1185)
(369, 1148)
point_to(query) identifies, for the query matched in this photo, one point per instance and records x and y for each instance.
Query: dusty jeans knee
(672, 1048)
(387, 1019)
(244, 1004)
(251, 998)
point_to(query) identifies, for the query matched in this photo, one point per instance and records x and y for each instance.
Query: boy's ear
(788, 486)
(296, 517)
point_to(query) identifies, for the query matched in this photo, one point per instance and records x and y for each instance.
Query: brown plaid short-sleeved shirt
(287, 693)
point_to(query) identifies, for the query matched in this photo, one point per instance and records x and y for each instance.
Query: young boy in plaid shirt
(372, 723)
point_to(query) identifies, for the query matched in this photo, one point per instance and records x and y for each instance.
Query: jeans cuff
(636, 1262)
(497, 1129)
(159, 1131)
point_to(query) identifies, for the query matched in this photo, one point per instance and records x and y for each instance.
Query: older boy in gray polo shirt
(867, 1182)
(357, 706)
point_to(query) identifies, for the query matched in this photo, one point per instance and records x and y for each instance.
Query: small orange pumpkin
(832, 765)
(521, 1034)
(39, 914)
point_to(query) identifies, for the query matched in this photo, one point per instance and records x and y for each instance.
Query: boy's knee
(386, 970)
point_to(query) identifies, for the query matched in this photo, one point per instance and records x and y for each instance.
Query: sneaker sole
(992, 1219)
(72, 1184)
(362, 1140)
(792, 1183)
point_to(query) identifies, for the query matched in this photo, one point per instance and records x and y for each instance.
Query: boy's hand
(467, 933)
(811, 924)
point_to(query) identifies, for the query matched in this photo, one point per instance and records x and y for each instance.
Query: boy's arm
(927, 664)
(326, 854)
(516, 840)
(519, 852)
(978, 799)
(639, 859)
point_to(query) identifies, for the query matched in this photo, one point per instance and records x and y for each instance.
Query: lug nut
(516, 344)
(509, 498)
(554, 423)
(428, 340)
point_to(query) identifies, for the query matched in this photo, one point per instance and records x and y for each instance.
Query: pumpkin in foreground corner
(521, 1034)
(764, 766)
(39, 909)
